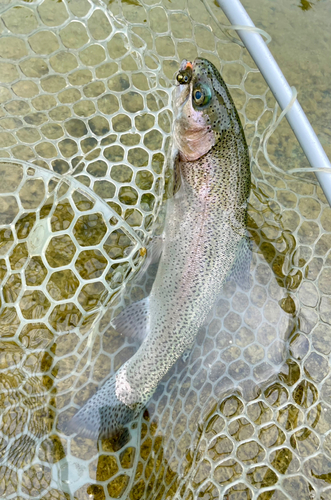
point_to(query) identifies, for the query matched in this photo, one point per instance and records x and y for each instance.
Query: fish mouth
(185, 64)
(180, 97)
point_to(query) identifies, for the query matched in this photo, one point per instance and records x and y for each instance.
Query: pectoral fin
(134, 321)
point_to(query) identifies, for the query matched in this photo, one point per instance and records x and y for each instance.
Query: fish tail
(103, 415)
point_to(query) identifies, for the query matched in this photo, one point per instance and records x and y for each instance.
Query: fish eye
(201, 95)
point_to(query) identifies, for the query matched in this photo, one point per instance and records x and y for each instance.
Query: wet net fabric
(85, 126)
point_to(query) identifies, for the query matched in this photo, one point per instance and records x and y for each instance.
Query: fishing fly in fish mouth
(204, 243)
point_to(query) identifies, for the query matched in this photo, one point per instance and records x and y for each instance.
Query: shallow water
(300, 43)
(216, 428)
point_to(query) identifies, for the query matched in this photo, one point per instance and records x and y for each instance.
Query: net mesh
(85, 127)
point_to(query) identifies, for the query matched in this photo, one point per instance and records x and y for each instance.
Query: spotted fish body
(204, 234)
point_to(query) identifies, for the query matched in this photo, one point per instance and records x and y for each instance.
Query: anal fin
(240, 271)
(134, 321)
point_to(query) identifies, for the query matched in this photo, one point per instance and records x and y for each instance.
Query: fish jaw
(192, 136)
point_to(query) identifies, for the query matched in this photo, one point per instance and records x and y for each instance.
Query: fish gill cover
(86, 122)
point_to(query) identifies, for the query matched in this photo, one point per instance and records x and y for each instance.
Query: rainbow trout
(204, 242)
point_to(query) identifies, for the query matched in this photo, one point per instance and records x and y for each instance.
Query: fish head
(203, 108)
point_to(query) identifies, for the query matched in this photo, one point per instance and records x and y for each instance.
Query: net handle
(281, 90)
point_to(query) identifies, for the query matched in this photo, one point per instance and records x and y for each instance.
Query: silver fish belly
(205, 228)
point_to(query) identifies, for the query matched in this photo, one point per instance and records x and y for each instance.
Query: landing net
(85, 128)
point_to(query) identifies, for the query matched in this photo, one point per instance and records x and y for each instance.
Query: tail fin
(103, 415)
